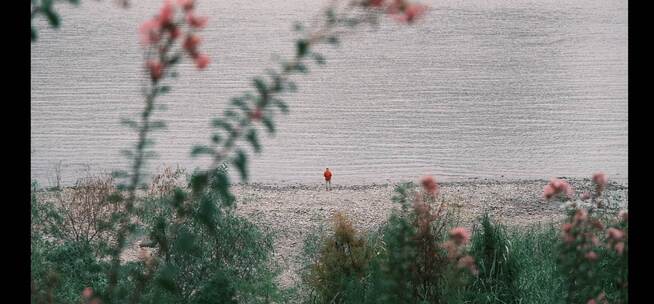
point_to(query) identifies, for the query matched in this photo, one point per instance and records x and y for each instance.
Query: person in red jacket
(328, 179)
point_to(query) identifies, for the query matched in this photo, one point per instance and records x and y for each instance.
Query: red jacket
(328, 175)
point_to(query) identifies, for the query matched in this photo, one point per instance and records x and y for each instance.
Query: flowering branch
(158, 36)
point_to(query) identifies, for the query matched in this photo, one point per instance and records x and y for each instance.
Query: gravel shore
(295, 211)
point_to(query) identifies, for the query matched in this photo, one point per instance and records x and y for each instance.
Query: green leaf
(46, 4)
(331, 16)
(277, 81)
(298, 27)
(202, 149)
(291, 86)
(302, 47)
(179, 196)
(220, 184)
(217, 123)
(53, 18)
(240, 162)
(130, 123)
(253, 140)
(216, 138)
(163, 90)
(158, 125)
(74, 2)
(34, 34)
(207, 212)
(127, 153)
(270, 126)
(281, 105)
(174, 60)
(199, 181)
(333, 40)
(240, 102)
(119, 174)
(231, 114)
(300, 67)
(318, 58)
(261, 88)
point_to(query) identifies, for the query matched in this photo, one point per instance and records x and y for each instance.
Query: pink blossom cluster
(430, 185)
(87, 296)
(164, 29)
(459, 238)
(615, 239)
(400, 10)
(581, 234)
(601, 180)
(557, 186)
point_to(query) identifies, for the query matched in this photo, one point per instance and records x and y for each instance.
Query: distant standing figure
(328, 179)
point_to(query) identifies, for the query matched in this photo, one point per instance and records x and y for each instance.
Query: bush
(340, 269)
(81, 214)
(60, 272)
(203, 250)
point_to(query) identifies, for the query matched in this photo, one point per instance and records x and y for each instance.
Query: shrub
(204, 250)
(61, 271)
(82, 214)
(341, 267)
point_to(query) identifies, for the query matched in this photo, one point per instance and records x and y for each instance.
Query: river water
(476, 89)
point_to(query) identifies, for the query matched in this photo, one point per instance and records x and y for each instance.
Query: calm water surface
(520, 89)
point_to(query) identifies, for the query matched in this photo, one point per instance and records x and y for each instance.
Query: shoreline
(293, 212)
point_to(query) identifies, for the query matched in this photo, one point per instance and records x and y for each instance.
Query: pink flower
(601, 180)
(548, 192)
(619, 248)
(166, 13)
(201, 61)
(451, 248)
(557, 186)
(407, 13)
(156, 69)
(429, 183)
(591, 256)
(469, 263)
(581, 215)
(585, 196)
(591, 301)
(568, 239)
(460, 235)
(615, 234)
(375, 3)
(566, 228)
(175, 32)
(87, 293)
(256, 115)
(186, 4)
(196, 21)
(191, 42)
(598, 225)
(150, 31)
